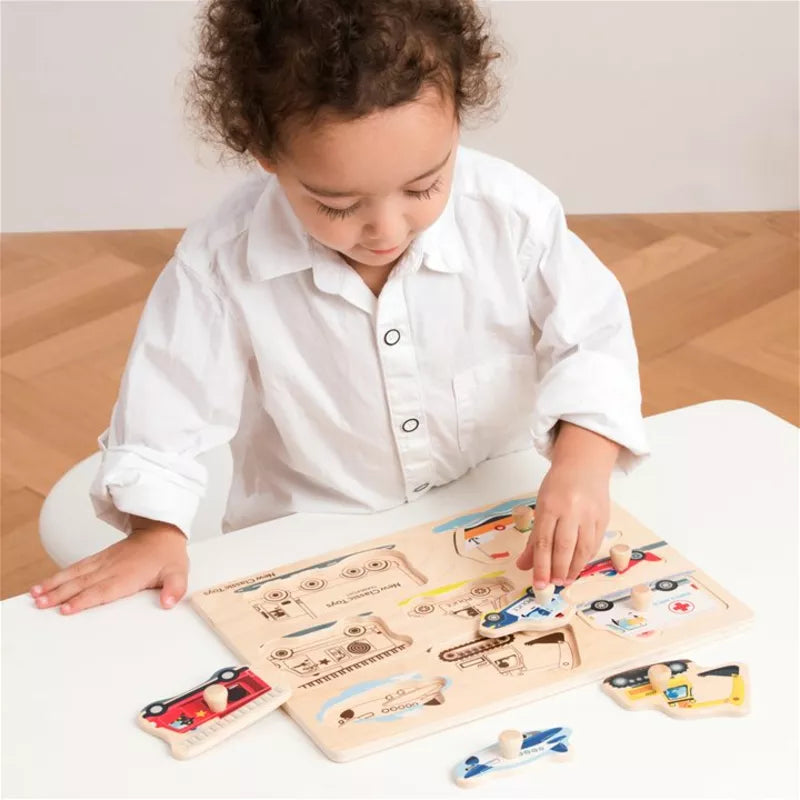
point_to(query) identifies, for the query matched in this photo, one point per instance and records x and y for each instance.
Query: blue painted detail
(473, 520)
(320, 627)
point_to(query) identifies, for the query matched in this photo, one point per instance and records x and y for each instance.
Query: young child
(374, 313)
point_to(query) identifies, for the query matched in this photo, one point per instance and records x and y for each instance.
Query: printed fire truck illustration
(320, 657)
(466, 599)
(316, 590)
(513, 654)
(385, 699)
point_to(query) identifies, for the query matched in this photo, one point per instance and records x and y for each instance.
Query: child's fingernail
(568, 582)
(539, 584)
(36, 590)
(41, 601)
(66, 608)
(169, 601)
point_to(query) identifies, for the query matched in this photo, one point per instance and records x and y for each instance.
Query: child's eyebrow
(355, 192)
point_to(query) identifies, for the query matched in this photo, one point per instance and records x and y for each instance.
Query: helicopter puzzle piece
(512, 750)
(195, 720)
(682, 689)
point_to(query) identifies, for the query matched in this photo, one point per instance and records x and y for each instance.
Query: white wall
(617, 106)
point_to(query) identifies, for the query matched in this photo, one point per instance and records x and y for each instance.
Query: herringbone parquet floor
(714, 299)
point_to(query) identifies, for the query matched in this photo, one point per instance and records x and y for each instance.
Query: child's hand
(148, 558)
(572, 507)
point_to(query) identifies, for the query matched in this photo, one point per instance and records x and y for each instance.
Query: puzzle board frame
(379, 640)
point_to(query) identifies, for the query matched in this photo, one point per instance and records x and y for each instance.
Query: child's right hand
(152, 556)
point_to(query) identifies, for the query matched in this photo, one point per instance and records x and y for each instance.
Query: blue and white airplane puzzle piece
(489, 762)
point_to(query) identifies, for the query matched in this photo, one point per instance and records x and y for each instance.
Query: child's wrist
(584, 448)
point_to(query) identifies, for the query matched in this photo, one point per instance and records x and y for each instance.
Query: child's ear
(266, 164)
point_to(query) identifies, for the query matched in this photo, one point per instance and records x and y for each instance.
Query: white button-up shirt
(496, 322)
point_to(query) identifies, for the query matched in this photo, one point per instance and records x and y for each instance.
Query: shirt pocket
(494, 406)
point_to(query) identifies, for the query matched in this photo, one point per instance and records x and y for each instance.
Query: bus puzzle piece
(682, 689)
(195, 720)
(512, 751)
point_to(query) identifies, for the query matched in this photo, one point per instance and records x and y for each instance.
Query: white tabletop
(721, 486)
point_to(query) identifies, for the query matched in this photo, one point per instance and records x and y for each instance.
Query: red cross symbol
(680, 607)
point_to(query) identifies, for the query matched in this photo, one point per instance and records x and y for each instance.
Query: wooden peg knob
(216, 697)
(544, 595)
(620, 557)
(523, 518)
(641, 597)
(659, 676)
(510, 743)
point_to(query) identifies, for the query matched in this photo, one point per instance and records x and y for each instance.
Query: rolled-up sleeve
(180, 396)
(587, 362)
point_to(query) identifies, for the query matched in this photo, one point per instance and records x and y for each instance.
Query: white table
(722, 487)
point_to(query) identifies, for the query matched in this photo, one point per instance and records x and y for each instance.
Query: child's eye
(337, 213)
(425, 194)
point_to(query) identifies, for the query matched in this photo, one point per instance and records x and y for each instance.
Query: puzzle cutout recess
(434, 626)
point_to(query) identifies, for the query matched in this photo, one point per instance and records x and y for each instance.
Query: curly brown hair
(264, 63)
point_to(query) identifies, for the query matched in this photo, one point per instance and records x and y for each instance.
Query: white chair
(70, 531)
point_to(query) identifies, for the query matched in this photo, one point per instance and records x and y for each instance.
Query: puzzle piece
(194, 721)
(512, 750)
(526, 612)
(682, 689)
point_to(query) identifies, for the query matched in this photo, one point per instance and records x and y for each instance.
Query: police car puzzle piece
(682, 689)
(512, 750)
(195, 720)
(530, 610)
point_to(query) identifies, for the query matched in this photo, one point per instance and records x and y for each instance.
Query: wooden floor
(714, 299)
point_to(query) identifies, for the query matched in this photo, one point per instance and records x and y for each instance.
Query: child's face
(367, 187)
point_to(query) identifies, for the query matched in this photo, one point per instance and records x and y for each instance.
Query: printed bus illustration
(316, 591)
(474, 598)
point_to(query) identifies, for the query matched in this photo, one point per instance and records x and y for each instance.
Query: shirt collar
(277, 243)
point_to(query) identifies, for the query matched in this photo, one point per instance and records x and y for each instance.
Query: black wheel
(637, 555)
(226, 675)
(666, 586)
(155, 709)
(619, 681)
(677, 666)
(492, 617)
(601, 605)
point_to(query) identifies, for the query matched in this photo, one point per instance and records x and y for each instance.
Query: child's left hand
(572, 507)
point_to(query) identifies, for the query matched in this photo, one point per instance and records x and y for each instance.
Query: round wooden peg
(620, 557)
(659, 676)
(216, 697)
(523, 518)
(641, 597)
(544, 595)
(510, 743)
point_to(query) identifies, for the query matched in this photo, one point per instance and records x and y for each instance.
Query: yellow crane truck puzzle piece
(690, 692)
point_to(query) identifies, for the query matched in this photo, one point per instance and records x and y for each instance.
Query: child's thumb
(173, 587)
(525, 558)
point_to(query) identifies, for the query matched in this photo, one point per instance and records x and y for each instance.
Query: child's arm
(180, 396)
(588, 404)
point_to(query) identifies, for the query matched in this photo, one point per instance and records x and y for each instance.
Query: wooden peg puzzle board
(379, 641)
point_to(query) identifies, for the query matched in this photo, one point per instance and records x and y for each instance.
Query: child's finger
(97, 594)
(67, 590)
(584, 549)
(173, 587)
(543, 531)
(525, 558)
(82, 567)
(564, 542)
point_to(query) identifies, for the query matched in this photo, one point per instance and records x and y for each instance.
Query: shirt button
(422, 487)
(410, 425)
(392, 336)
